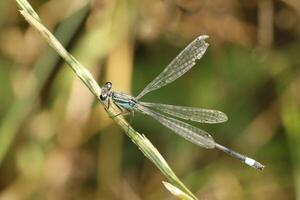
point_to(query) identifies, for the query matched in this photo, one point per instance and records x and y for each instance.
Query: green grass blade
(34, 83)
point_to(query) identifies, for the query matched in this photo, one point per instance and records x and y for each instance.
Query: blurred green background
(56, 141)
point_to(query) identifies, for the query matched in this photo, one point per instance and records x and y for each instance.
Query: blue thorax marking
(124, 100)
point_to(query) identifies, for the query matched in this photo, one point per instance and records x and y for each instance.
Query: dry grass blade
(141, 141)
(176, 191)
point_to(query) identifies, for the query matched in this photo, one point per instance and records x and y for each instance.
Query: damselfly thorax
(122, 100)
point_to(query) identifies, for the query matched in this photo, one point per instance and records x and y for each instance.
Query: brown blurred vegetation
(56, 142)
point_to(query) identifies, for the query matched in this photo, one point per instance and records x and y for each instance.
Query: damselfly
(179, 66)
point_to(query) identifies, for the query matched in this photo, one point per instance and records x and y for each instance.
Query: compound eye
(108, 85)
(103, 97)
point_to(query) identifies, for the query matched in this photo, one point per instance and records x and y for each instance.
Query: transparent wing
(180, 65)
(188, 132)
(190, 113)
(195, 135)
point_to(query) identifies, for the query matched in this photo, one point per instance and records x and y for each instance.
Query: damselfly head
(103, 97)
(105, 91)
(108, 85)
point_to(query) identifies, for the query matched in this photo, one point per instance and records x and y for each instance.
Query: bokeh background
(56, 141)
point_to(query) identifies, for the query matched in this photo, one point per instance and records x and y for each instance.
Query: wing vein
(187, 131)
(179, 65)
(189, 113)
